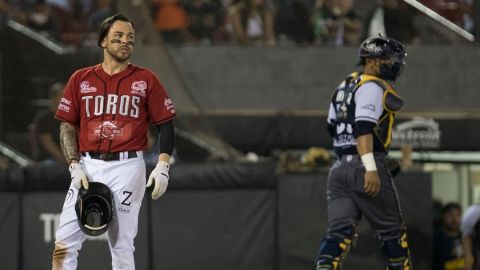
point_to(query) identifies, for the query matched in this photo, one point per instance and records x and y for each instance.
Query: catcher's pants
(126, 178)
(348, 201)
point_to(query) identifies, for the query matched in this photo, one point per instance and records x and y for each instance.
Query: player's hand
(372, 183)
(159, 176)
(79, 178)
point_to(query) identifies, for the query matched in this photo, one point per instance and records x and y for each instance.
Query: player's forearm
(364, 144)
(69, 142)
(365, 151)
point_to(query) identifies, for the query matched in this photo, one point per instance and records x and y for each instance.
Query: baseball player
(360, 122)
(104, 116)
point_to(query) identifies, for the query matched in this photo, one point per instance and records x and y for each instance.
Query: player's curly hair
(107, 24)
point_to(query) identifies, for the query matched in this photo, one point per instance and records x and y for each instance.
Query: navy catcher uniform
(360, 183)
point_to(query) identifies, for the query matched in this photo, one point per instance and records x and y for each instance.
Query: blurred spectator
(407, 163)
(476, 20)
(43, 21)
(294, 21)
(61, 4)
(206, 20)
(75, 26)
(468, 14)
(171, 20)
(45, 129)
(101, 10)
(432, 32)
(448, 250)
(19, 10)
(252, 22)
(394, 19)
(471, 237)
(336, 23)
(4, 13)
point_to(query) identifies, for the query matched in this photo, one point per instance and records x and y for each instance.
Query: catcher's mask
(94, 208)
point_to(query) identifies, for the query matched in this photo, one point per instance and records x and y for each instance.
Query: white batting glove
(160, 176)
(79, 178)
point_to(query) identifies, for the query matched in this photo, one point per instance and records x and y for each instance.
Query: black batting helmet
(94, 208)
(384, 48)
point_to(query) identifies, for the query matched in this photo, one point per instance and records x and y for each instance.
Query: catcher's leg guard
(397, 253)
(334, 249)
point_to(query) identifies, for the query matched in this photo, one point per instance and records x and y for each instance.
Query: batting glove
(78, 176)
(160, 176)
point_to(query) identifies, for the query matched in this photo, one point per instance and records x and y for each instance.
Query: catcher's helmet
(384, 48)
(94, 208)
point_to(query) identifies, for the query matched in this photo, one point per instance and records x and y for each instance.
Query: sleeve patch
(169, 105)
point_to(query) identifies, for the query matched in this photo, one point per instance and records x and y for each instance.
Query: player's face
(452, 219)
(376, 63)
(373, 66)
(120, 41)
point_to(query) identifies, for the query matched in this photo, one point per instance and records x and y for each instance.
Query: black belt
(111, 156)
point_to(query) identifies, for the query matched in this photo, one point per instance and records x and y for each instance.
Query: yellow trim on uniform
(391, 118)
(390, 115)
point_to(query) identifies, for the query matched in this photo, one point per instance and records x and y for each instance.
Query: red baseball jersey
(113, 111)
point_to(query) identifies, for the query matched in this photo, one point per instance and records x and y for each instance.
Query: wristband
(369, 162)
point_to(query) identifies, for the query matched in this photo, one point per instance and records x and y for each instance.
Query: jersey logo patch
(108, 130)
(64, 105)
(169, 105)
(139, 88)
(369, 107)
(85, 88)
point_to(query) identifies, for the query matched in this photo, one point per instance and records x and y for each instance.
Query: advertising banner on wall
(301, 132)
(418, 132)
(426, 133)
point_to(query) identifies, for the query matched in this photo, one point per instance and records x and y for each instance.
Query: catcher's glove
(393, 165)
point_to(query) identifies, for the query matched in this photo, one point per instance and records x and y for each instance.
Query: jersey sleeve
(160, 106)
(68, 109)
(470, 219)
(332, 115)
(369, 102)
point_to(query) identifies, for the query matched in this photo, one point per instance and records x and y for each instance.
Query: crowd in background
(71, 22)
(250, 22)
(304, 22)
